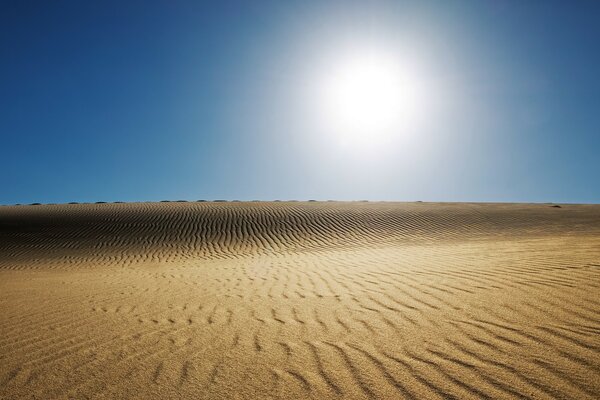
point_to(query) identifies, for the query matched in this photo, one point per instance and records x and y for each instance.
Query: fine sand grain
(286, 300)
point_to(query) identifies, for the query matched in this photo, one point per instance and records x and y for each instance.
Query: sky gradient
(146, 101)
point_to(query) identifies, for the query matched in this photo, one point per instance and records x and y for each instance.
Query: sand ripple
(299, 300)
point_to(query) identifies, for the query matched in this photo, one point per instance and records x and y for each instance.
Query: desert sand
(284, 300)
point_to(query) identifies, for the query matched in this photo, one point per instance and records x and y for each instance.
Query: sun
(367, 98)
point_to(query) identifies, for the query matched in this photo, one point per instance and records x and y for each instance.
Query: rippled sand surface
(299, 300)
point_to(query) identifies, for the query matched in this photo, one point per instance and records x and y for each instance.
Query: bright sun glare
(367, 99)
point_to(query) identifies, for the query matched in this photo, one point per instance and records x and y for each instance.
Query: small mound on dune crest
(296, 300)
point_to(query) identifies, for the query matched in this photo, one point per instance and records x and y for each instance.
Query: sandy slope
(299, 300)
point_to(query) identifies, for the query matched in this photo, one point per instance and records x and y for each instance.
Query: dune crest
(299, 300)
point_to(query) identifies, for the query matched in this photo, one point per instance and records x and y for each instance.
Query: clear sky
(140, 100)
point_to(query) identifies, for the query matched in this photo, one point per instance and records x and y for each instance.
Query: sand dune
(299, 300)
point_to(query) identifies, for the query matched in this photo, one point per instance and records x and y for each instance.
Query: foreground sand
(299, 300)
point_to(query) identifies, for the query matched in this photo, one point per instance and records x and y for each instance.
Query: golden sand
(299, 300)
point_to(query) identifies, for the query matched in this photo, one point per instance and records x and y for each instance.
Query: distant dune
(359, 300)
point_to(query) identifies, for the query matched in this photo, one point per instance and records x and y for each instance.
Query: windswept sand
(299, 300)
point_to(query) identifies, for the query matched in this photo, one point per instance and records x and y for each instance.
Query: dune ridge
(300, 300)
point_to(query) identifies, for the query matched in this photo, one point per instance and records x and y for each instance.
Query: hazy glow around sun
(368, 97)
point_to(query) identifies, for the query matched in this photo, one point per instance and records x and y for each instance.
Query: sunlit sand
(299, 300)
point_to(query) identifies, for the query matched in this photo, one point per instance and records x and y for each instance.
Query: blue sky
(145, 101)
